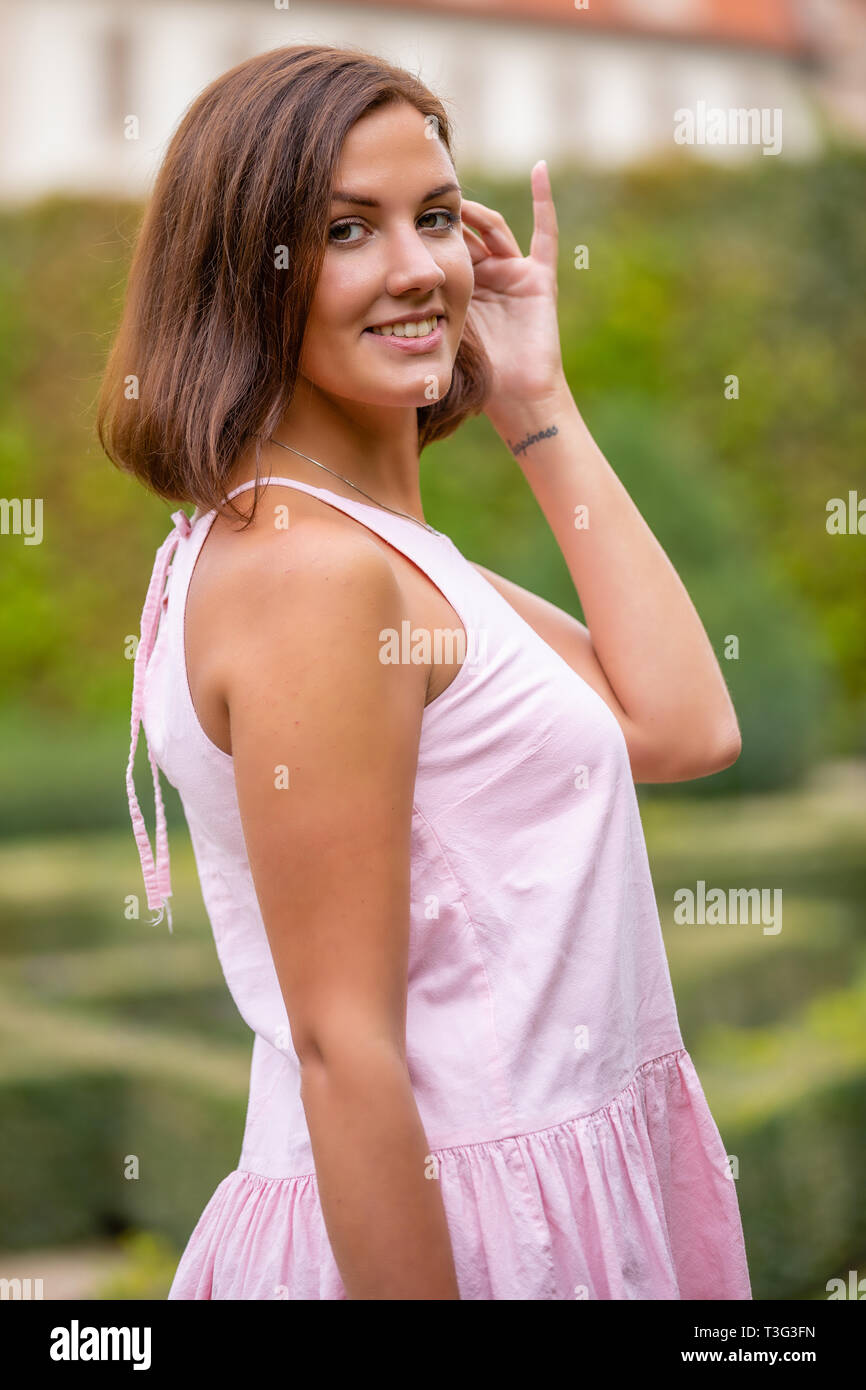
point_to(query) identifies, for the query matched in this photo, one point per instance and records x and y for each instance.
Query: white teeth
(407, 330)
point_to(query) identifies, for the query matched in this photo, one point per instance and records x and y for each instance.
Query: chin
(414, 393)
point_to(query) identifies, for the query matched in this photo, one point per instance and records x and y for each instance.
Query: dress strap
(157, 875)
(350, 502)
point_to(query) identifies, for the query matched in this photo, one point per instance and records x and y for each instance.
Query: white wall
(517, 92)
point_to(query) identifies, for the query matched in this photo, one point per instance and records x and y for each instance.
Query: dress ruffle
(630, 1201)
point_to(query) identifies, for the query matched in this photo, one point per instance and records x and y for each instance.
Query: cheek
(336, 311)
(342, 295)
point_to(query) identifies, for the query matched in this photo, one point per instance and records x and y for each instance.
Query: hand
(513, 307)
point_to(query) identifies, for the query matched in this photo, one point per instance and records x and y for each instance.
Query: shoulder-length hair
(205, 359)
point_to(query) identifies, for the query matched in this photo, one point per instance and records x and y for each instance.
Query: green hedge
(694, 274)
(66, 1139)
(800, 1191)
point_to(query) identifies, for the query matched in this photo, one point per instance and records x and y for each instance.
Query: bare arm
(330, 858)
(645, 649)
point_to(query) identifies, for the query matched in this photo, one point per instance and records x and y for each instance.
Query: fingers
(492, 227)
(477, 249)
(545, 237)
(491, 235)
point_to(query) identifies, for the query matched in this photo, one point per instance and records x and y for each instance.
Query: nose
(411, 263)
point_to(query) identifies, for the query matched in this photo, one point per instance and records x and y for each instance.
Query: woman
(409, 783)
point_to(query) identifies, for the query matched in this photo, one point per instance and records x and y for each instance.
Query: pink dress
(574, 1146)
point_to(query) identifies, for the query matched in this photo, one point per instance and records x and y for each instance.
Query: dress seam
(569, 1120)
(494, 776)
(505, 1138)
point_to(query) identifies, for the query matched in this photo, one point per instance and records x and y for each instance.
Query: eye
(451, 221)
(451, 218)
(339, 226)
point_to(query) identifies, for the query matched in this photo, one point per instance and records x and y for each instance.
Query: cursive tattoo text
(530, 439)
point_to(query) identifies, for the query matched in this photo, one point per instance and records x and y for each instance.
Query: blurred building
(596, 80)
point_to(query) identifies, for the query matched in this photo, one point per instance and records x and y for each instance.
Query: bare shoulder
(289, 537)
(312, 596)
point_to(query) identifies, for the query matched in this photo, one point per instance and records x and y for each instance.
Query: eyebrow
(341, 195)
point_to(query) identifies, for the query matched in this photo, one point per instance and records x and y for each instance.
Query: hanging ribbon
(157, 875)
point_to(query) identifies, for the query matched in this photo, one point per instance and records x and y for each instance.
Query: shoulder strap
(431, 551)
(343, 503)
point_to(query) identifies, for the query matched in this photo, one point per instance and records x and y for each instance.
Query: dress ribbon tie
(156, 872)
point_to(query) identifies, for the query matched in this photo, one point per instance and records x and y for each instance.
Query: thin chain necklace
(357, 489)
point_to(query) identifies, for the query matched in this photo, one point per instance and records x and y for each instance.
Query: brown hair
(212, 329)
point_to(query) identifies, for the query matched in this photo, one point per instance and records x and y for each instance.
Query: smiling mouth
(409, 330)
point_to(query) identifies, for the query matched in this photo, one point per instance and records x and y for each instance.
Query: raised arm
(330, 859)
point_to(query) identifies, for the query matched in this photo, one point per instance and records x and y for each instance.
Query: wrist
(522, 421)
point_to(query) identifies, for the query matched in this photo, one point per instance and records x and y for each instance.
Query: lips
(407, 328)
(409, 344)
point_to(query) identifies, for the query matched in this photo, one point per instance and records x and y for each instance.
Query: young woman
(409, 783)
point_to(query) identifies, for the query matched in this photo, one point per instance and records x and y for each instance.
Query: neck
(375, 447)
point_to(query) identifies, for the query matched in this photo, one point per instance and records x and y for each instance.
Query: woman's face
(395, 255)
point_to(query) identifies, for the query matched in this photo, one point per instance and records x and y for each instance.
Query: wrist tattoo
(524, 444)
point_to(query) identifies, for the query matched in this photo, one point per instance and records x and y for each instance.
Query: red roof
(753, 23)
